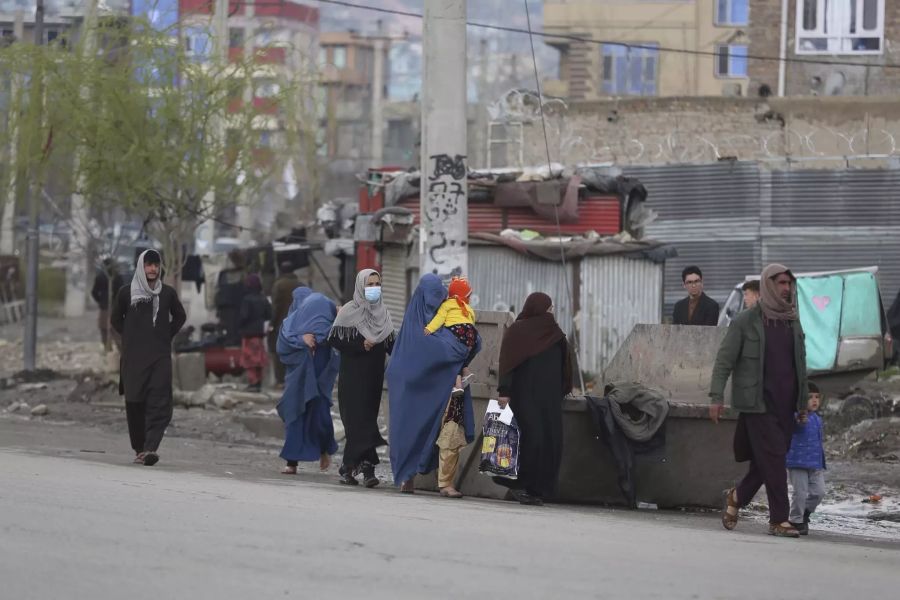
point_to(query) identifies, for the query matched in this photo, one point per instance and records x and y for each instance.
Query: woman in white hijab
(364, 334)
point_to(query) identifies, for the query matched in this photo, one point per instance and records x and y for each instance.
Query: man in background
(282, 296)
(101, 293)
(697, 308)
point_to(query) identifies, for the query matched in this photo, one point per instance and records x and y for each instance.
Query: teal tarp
(862, 306)
(820, 301)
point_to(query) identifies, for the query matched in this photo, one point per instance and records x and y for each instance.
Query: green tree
(160, 131)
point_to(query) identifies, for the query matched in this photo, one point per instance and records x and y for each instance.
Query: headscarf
(140, 287)
(460, 290)
(315, 315)
(774, 307)
(534, 331)
(371, 320)
(253, 282)
(299, 295)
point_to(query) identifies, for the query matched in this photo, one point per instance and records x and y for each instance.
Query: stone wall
(696, 130)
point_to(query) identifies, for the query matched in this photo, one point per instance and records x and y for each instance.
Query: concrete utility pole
(80, 268)
(444, 231)
(33, 200)
(8, 233)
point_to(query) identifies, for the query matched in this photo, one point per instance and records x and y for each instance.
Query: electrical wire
(580, 39)
(559, 234)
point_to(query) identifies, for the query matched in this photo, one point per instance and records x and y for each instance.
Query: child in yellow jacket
(457, 316)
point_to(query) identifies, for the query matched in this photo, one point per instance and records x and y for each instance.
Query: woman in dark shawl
(420, 377)
(364, 334)
(312, 366)
(535, 376)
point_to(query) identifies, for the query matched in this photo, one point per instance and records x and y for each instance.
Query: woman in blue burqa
(311, 369)
(420, 376)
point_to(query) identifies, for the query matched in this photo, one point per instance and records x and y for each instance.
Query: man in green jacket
(765, 355)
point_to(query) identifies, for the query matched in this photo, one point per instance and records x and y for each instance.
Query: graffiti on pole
(444, 214)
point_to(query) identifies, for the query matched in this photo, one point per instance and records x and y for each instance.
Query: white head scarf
(371, 320)
(140, 287)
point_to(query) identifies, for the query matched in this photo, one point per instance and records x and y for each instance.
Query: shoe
(408, 487)
(369, 478)
(150, 459)
(779, 530)
(526, 498)
(347, 477)
(457, 392)
(468, 380)
(802, 528)
(139, 458)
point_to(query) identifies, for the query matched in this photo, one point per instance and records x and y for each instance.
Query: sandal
(289, 470)
(451, 492)
(780, 530)
(729, 520)
(139, 458)
(408, 487)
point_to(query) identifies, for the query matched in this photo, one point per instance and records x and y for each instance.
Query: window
(731, 61)
(840, 26)
(235, 37)
(630, 71)
(339, 57)
(732, 12)
(198, 44)
(266, 88)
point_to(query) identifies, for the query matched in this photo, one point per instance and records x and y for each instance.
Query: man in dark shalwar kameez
(147, 314)
(764, 351)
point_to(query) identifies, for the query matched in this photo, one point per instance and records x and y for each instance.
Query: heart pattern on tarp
(821, 302)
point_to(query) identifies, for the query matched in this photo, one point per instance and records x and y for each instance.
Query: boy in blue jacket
(806, 464)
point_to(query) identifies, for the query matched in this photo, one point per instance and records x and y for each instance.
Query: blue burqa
(305, 406)
(420, 377)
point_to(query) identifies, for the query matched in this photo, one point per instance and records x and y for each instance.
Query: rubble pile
(60, 357)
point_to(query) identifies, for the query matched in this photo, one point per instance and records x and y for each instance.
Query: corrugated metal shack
(614, 286)
(610, 281)
(732, 218)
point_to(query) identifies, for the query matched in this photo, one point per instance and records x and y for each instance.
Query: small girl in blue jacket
(806, 464)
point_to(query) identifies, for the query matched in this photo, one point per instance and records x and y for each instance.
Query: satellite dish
(834, 83)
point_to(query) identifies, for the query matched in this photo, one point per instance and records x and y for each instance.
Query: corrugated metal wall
(503, 278)
(725, 190)
(616, 294)
(732, 218)
(394, 275)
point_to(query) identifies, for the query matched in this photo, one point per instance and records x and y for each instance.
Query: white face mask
(373, 294)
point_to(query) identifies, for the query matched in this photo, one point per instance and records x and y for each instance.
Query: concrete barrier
(695, 466)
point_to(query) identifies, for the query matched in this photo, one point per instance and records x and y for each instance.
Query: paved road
(77, 525)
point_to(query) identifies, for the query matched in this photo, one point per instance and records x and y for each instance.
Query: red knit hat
(460, 290)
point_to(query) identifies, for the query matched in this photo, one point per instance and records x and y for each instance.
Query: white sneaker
(468, 380)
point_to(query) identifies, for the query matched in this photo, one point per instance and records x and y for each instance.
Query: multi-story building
(347, 71)
(861, 35)
(282, 38)
(648, 47)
